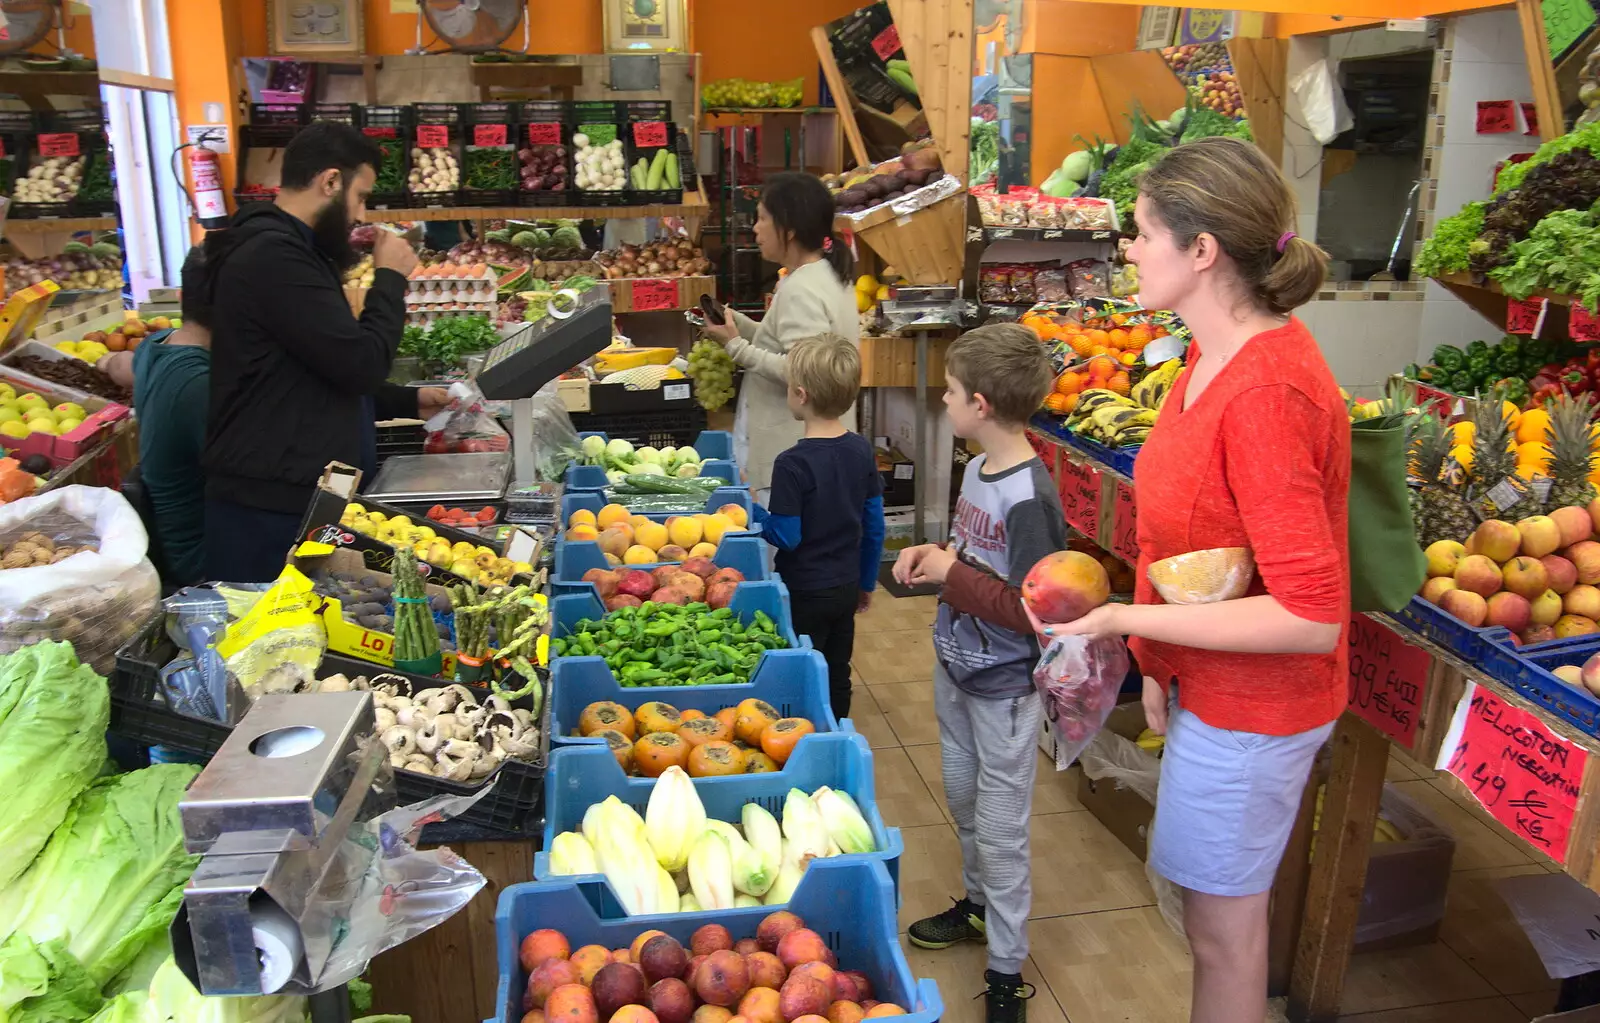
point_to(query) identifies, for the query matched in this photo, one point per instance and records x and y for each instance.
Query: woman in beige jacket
(794, 227)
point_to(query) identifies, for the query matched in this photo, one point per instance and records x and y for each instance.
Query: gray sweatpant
(988, 751)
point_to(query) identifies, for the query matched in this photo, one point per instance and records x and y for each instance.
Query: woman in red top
(1252, 450)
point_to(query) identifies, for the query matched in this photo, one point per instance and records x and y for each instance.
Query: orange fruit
(1130, 358)
(1119, 338)
(1118, 383)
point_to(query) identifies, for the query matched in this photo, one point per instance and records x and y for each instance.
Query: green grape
(711, 369)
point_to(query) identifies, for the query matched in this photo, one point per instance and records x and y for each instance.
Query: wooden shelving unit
(47, 225)
(697, 207)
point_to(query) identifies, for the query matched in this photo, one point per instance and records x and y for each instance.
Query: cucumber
(673, 178)
(658, 170)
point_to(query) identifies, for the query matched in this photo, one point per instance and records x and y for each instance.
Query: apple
(1437, 587)
(1545, 608)
(1537, 634)
(1568, 626)
(1526, 577)
(1443, 556)
(1540, 535)
(1574, 523)
(1507, 610)
(1582, 600)
(1497, 540)
(1480, 574)
(1589, 675)
(1465, 605)
(1585, 556)
(1562, 574)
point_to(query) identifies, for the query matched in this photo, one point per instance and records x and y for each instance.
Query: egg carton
(453, 292)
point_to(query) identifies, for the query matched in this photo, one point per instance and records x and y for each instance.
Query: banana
(1153, 389)
(1097, 397)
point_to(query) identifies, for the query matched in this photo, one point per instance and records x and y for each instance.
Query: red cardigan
(1260, 460)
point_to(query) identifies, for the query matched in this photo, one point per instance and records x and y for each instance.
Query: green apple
(39, 413)
(31, 400)
(42, 426)
(69, 410)
(9, 414)
(65, 426)
(14, 428)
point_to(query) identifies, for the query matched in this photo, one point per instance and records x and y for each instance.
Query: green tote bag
(1386, 565)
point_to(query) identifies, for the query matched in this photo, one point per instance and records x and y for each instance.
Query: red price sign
(650, 134)
(1125, 525)
(651, 294)
(432, 136)
(1526, 776)
(1582, 325)
(1496, 116)
(1049, 452)
(1525, 316)
(544, 134)
(1388, 679)
(1441, 403)
(488, 134)
(1530, 119)
(62, 143)
(379, 133)
(1080, 496)
(887, 43)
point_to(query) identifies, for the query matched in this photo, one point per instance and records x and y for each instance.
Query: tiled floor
(1101, 951)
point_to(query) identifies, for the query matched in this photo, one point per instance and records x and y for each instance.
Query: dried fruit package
(1078, 679)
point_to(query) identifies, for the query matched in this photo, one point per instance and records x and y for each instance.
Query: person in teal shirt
(170, 373)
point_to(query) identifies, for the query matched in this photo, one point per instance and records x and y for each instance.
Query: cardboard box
(101, 419)
(348, 638)
(1124, 812)
(899, 531)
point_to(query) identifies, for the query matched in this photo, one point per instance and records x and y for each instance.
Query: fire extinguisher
(209, 201)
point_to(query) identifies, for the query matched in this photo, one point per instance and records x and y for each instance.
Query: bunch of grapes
(711, 369)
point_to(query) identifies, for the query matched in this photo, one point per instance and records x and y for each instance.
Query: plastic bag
(465, 424)
(553, 440)
(95, 599)
(1078, 679)
(278, 644)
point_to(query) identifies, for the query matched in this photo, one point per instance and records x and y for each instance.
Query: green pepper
(1448, 358)
(1411, 371)
(1507, 360)
(763, 622)
(1480, 368)
(1430, 374)
(662, 629)
(1460, 383)
(722, 614)
(1476, 347)
(710, 635)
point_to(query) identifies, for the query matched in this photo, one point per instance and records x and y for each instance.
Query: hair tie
(1283, 240)
(827, 244)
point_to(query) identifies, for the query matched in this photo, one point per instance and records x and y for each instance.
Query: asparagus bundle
(415, 637)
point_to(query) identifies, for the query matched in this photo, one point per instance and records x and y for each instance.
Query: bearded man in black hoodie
(297, 379)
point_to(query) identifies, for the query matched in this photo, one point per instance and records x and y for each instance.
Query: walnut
(17, 559)
(61, 555)
(42, 556)
(38, 540)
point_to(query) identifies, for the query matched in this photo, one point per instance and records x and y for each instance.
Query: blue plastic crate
(1529, 671)
(746, 553)
(1120, 459)
(770, 596)
(796, 685)
(714, 446)
(1434, 623)
(849, 901)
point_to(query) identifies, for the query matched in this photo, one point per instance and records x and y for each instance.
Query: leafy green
(1121, 181)
(1203, 123)
(44, 983)
(985, 150)
(1448, 250)
(448, 339)
(112, 877)
(53, 717)
(172, 999)
(1560, 254)
(1583, 137)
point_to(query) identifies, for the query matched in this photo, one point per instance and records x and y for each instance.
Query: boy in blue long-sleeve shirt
(825, 515)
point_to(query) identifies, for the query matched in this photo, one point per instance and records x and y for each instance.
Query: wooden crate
(72, 322)
(925, 247)
(892, 361)
(690, 291)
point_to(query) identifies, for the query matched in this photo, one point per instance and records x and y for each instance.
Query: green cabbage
(43, 983)
(53, 717)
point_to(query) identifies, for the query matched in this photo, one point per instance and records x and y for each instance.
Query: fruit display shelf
(694, 206)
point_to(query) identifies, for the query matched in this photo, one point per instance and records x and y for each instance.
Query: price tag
(1496, 117)
(652, 293)
(432, 136)
(1125, 525)
(1526, 776)
(1080, 496)
(650, 134)
(1388, 679)
(1530, 119)
(488, 134)
(1000, 233)
(1582, 325)
(63, 143)
(1526, 316)
(379, 133)
(1431, 398)
(887, 43)
(904, 470)
(1052, 234)
(1049, 453)
(544, 134)
(675, 392)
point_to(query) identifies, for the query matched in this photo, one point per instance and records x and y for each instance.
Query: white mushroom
(464, 748)
(499, 704)
(397, 760)
(470, 721)
(430, 738)
(335, 684)
(385, 718)
(420, 764)
(439, 701)
(399, 739)
(485, 765)
(525, 717)
(456, 769)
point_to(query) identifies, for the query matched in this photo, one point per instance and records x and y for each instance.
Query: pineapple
(1494, 461)
(1442, 512)
(1570, 453)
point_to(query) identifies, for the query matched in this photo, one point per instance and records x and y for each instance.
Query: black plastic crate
(488, 126)
(105, 206)
(688, 175)
(139, 709)
(390, 128)
(646, 110)
(596, 111)
(428, 118)
(282, 114)
(540, 124)
(341, 113)
(259, 136)
(633, 149)
(675, 428)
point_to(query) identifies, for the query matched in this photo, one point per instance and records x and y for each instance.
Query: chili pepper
(490, 169)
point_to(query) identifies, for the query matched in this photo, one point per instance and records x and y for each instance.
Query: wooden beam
(1261, 67)
(1338, 871)
(1536, 51)
(937, 39)
(843, 98)
(132, 80)
(1289, 894)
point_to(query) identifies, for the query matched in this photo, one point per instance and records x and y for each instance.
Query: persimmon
(727, 715)
(656, 716)
(621, 747)
(691, 714)
(779, 738)
(752, 719)
(657, 751)
(715, 759)
(703, 730)
(757, 762)
(605, 714)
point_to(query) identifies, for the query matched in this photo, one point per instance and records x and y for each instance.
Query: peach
(711, 1014)
(766, 970)
(710, 938)
(588, 960)
(581, 517)
(723, 978)
(1561, 573)
(804, 996)
(1437, 587)
(811, 1017)
(885, 1009)
(1545, 608)
(1589, 674)
(1509, 611)
(638, 943)
(571, 1003)
(774, 926)
(1585, 557)
(542, 945)
(583, 533)
(1582, 600)
(1443, 556)
(1571, 674)
(818, 969)
(735, 514)
(1065, 586)
(662, 956)
(1540, 535)
(747, 947)
(652, 535)
(1574, 524)
(688, 971)
(1465, 605)
(1526, 577)
(802, 946)
(684, 530)
(617, 985)
(1594, 513)
(761, 1005)
(845, 988)
(672, 552)
(703, 550)
(633, 1014)
(546, 977)
(1479, 574)
(1568, 626)
(611, 514)
(862, 983)
(533, 1016)
(1496, 540)
(615, 542)
(845, 1012)
(671, 1000)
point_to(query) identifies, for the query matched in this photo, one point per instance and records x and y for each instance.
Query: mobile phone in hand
(715, 313)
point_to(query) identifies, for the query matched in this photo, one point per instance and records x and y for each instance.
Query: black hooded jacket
(292, 369)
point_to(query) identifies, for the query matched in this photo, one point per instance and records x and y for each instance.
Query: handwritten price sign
(1049, 452)
(63, 143)
(650, 134)
(544, 134)
(652, 294)
(1388, 680)
(1582, 325)
(1530, 119)
(1525, 316)
(432, 136)
(1496, 116)
(1125, 525)
(886, 43)
(488, 134)
(1080, 496)
(379, 133)
(1522, 773)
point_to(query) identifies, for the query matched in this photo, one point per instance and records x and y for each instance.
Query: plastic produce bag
(96, 599)
(553, 439)
(465, 424)
(278, 643)
(1078, 679)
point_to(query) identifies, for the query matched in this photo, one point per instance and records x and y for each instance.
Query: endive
(742, 901)
(846, 827)
(711, 871)
(674, 818)
(687, 903)
(762, 833)
(666, 892)
(749, 872)
(571, 853)
(803, 827)
(629, 865)
(789, 873)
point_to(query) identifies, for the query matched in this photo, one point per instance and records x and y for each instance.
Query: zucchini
(642, 483)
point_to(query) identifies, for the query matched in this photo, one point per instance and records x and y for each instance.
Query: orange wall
(1076, 29)
(1073, 107)
(573, 27)
(206, 46)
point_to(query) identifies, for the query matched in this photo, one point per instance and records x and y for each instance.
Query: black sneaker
(961, 922)
(1005, 1000)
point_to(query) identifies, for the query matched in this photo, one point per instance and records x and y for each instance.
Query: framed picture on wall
(645, 26)
(315, 29)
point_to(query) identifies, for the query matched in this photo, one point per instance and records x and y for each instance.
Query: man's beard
(331, 229)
